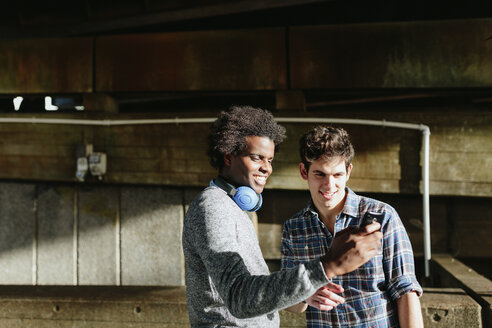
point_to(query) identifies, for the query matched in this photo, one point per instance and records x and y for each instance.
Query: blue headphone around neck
(245, 197)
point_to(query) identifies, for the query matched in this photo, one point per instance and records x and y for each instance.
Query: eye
(255, 158)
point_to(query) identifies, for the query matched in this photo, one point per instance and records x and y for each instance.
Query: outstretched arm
(221, 242)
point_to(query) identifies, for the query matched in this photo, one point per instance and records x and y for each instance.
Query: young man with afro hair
(228, 283)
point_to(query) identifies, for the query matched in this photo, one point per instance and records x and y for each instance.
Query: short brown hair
(326, 142)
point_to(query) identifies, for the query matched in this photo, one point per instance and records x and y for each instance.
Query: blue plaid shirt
(372, 289)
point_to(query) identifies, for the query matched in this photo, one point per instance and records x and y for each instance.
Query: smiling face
(327, 180)
(253, 166)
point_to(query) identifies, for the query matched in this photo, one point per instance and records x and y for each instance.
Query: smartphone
(371, 217)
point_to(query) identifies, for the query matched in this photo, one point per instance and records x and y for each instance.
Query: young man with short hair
(384, 291)
(228, 283)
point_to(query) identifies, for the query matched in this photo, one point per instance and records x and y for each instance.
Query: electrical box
(82, 168)
(90, 162)
(97, 164)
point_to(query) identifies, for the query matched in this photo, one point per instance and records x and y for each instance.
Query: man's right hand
(351, 248)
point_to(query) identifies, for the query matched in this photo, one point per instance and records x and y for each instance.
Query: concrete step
(98, 306)
(452, 273)
(65, 306)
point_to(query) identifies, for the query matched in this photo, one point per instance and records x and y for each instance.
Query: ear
(227, 159)
(303, 171)
(349, 169)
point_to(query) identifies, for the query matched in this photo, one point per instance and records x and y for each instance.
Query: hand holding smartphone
(371, 217)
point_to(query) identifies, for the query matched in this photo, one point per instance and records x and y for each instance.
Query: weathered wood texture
(46, 65)
(387, 160)
(405, 54)
(215, 60)
(432, 54)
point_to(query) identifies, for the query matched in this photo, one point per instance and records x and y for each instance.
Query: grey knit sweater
(227, 280)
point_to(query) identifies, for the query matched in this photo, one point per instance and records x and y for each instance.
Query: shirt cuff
(404, 285)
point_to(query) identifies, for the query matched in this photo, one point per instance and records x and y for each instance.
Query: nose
(330, 182)
(266, 167)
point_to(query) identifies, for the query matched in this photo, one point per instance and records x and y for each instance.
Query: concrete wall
(90, 235)
(73, 234)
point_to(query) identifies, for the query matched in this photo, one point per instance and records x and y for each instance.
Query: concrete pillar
(151, 227)
(17, 263)
(55, 222)
(98, 235)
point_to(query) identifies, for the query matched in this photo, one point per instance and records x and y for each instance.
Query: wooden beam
(99, 102)
(431, 54)
(192, 61)
(46, 66)
(290, 99)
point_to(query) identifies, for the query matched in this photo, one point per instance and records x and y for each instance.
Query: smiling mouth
(328, 195)
(260, 179)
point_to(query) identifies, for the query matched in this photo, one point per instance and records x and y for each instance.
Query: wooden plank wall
(387, 160)
(305, 58)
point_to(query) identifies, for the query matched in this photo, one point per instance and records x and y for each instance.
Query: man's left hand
(326, 298)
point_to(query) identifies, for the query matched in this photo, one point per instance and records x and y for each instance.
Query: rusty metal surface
(211, 60)
(46, 65)
(414, 54)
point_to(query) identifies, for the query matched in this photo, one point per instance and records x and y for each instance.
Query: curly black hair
(229, 131)
(327, 142)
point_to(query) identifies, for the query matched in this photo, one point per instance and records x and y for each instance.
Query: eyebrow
(255, 154)
(339, 172)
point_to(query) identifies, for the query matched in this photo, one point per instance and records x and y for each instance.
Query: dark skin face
(253, 166)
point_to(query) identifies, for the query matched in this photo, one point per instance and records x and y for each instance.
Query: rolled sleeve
(398, 261)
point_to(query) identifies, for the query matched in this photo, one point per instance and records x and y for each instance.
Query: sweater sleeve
(246, 295)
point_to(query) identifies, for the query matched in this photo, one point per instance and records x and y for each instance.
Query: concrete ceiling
(32, 18)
